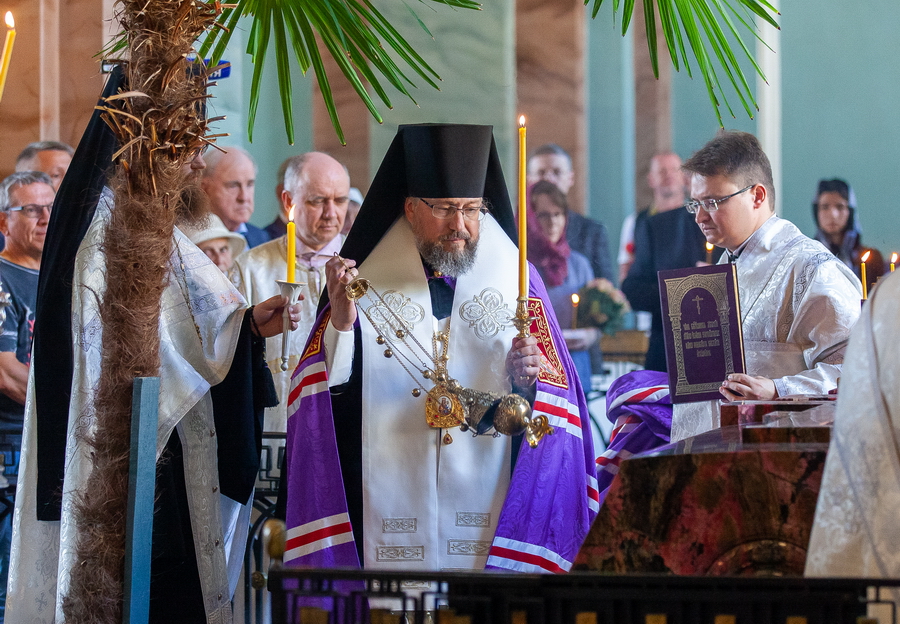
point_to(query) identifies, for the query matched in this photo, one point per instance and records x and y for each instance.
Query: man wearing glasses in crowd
(798, 302)
(26, 198)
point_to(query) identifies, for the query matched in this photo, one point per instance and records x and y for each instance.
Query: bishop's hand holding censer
(448, 404)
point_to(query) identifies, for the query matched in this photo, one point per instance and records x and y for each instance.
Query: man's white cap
(217, 229)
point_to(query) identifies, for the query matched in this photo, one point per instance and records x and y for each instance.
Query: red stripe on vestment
(524, 557)
(308, 380)
(314, 536)
(556, 410)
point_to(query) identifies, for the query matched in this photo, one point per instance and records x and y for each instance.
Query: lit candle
(7, 50)
(291, 248)
(893, 261)
(523, 224)
(575, 300)
(709, 250)
(862, 272)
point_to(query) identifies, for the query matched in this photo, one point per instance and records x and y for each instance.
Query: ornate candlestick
(516, 415)
(291, 290)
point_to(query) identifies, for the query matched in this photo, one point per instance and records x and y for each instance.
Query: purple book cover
(702, 327)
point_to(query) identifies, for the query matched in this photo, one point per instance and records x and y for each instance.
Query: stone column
(653, 104)
(354, 118)
(550, 48)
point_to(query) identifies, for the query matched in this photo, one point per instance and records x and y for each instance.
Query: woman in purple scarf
(564, 270)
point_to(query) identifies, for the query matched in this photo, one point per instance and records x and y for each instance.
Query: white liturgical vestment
(421, 508)
(798, 304)
(200, 321)
(856, 530)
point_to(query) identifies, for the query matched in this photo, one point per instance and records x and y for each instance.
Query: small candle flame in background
(521, 119)
(893, 261)
(709, 251)
(862, 274)
(575, 300)
(10, 22)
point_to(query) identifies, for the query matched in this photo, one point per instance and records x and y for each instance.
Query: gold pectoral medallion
(443, 409)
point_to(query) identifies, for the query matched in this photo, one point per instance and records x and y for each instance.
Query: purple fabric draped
(639, 406)
(552, 498)
(319, 532)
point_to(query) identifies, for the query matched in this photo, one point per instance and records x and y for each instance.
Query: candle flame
(709, 246)
(291, 213)
(865, 256)
(10, 22)
(522, 120)
(894, 258)
(575, 299)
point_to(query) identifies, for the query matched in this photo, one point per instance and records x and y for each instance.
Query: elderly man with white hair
(318, 186)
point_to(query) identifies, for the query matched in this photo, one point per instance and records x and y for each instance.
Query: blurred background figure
(356, 200)
(564, 270)
(588, 237)
(230, 182)
(669, 185)
(51, 157)
(218, 243)
(665, 237)
(318, 187)
(837, 227)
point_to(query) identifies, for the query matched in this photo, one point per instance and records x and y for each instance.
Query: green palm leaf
(354, 32)
(709, 28)
(359, 37)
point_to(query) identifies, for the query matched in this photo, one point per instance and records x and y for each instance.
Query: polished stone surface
(738, 500)
(734, 513)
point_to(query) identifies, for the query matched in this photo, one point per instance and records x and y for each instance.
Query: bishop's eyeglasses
(447, 211)
(711, 205)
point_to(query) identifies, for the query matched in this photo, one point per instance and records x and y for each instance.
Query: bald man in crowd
(229, 180)
(319, 187)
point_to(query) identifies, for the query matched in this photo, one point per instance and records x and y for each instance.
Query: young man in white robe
(798, 302)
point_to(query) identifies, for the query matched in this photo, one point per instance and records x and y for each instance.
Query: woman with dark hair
(563, 269)
(837, 227)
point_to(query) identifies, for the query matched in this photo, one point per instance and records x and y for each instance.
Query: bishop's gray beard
(450, 263)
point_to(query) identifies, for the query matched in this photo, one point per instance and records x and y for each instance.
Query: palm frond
(354, 33)
(709, 28)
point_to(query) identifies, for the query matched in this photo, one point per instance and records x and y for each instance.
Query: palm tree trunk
(160, 126)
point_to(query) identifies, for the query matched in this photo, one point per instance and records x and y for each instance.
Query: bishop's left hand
(740, 387)
(268, 315)
(523, 361)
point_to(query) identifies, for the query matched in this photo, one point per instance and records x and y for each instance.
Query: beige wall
(54, 79)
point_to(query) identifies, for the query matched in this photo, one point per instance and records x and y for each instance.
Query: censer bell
(513, 417)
